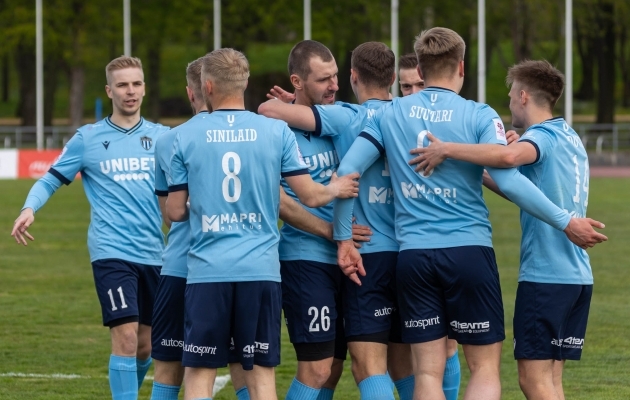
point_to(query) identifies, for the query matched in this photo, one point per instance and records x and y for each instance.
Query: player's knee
(143, 350)
(124, 339)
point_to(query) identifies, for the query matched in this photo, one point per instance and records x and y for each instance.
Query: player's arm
(489, 155)
(177, 179)
(313, 194)
(296, 115)
(492, 185)
(528, 197)
(161, 186)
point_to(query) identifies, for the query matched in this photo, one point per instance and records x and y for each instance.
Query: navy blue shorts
(242, 316)
(368, 308)
(167, 333)
(126, 290)
(550, 320)
(310, 294)
(452, 291)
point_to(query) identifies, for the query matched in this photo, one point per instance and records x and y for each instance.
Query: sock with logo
(405, 387)
(452, 377)
(376, 387)
(325, 394)
(123, 380)
(242, 393)
(299, 391)
(142, 367)
(164, 392)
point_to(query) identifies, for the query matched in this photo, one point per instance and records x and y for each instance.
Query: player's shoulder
(93, 129)
(154, 126)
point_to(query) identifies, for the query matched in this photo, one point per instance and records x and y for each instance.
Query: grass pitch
(50, 316)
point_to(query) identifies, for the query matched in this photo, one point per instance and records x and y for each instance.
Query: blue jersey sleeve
(177, 177)
(360, 157)
(41, 191)
(528, 197)
(292, 161)
(70, 162)
(161, 185)
(372, 131)
(490, 128)
(333, 120)
(541, 141)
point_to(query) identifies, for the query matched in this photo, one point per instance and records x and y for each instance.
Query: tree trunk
(77, 87)
(624, 66)
(520, 33)
(606, 64)
(586, 49)
(5, 78)
(25, 65)
(153, 80)
(52, 66)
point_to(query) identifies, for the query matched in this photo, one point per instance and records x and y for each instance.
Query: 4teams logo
(257, 347)
(569, 343)
(470, 327)
(231, 222)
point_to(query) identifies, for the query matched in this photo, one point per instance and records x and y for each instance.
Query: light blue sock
(123, 380)
(142, 366)
(325, 394)
(242, 393)
(164, 392)
(299, 391)
(376, 387)
(452, 377)
(405, 387)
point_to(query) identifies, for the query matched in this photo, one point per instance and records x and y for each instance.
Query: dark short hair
(439, 52)
(375, 63)
(408, 61)
(301, 55)
(540, 79)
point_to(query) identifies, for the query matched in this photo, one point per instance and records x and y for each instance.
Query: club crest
(146, 142)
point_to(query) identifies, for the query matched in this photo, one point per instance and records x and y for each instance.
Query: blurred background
(81, 37)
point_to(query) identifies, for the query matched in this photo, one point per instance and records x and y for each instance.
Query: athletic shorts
(452, 291)
(244, 316)
(167, 333)
(310, 294)
(368, 308)
(550, 320)
(126, 290)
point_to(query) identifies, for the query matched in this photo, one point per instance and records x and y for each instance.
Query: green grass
(51, 317)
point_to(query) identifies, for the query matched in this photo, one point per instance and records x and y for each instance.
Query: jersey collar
(439, 88)
(129, 131)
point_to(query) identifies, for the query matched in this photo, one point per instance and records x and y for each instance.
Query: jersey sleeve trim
(178, 188)
(303, 171)
(537, 150)
(373, 141)
(318, 121)
(161, 193)
(59, 176)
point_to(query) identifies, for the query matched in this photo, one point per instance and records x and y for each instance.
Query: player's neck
(125, 121)
(228, 103)
(536, 115)
(302, 100)
(365, 94)
(449, 84)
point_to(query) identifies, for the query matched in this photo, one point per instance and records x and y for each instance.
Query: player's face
(410, 81)
(321, 84)
(126, 89)
(515, 106)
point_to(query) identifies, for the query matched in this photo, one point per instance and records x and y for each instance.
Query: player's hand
(430, 156)
(20, 226)
(350, 261)
(277, 92)
(511, 136)
(360, 233)
(345, 187)
(580, 231)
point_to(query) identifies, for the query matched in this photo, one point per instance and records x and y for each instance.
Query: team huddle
(386, 247)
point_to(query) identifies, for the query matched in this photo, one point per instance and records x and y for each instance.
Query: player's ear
(461, 68)
(391, 82)
(354, 76)
(108, 90)
(296, 81)
(419, 72)
(191, 94)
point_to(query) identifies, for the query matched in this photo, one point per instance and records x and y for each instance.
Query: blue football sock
(123, 380)
(242, 393)
(142, 367)
(452, 377)
(164, 392)
(405, 387)
(299, 391)
(376, 387)
(325, 394)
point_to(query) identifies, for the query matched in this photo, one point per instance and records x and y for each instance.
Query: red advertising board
(34, 164)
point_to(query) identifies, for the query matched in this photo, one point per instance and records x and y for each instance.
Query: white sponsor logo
(383, 311)
(380, 195)
(201, 350)
(327, 161)
(569, 343)
(470, 327)
(422, 323)
(431, 115)
(257, 347)
(172, 343)
(231, 222)
(419, 191)
(128, 169)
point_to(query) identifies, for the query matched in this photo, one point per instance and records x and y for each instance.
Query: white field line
(219, 382)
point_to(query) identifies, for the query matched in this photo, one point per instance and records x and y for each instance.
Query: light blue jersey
(231, 162)
(445, 209)
(322, 160)
(117, 167)
(561, 172)
(375, 205)
(178, 238)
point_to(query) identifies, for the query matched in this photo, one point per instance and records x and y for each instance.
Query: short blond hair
(121, 62)
(439, 51)
(228, 69)
(193, 77)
